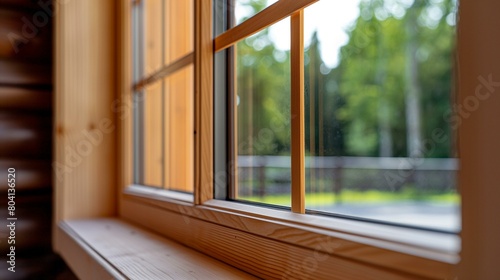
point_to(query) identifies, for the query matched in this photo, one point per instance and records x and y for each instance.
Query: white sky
(331, 18)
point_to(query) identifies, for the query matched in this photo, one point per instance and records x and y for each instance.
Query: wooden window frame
(265, 242)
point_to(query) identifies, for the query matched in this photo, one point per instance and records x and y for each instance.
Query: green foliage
(364, 97)
(264, 97)
(350, 196)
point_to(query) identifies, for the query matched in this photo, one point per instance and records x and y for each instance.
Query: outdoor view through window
(379, 84)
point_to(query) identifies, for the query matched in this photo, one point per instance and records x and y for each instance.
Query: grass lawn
(349, 196)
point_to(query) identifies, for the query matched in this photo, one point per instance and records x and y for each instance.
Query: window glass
(152, 34)
(178, 28)
(179, 127)
(152, 135)
(263, 117)
(245, 9)
(378, 88)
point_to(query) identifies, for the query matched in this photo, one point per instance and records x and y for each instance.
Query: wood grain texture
(203, 101)
(139, 254)
(297, 117)
(263, 19)
(85, 157)
(259, 256)
(479, 137)
(375, 245)
(81, 258)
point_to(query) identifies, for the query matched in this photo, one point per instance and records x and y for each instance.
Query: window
(207, 120)
(251, 136)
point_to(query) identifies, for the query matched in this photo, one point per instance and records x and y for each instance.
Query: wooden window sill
(293, 244)
(110, 248)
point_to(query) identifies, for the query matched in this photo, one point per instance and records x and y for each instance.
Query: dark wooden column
(26, 137)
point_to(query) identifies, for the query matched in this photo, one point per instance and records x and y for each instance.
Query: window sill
(109, 248)
(333, 246)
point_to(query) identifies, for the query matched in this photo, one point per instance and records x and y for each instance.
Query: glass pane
(179, 130)
(379, 84)
(263, 117)
(152, 135)
(152, 20)
(178, 29)
(244, 9)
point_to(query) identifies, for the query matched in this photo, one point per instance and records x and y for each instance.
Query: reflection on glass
(152, 135)
(263, 113)
(168, 32)
(168, 126)
(179, 127)
(152, 18)
(379, 83)
(178, 29)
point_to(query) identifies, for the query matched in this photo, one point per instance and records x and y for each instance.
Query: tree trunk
(384, 120)
(413, 91)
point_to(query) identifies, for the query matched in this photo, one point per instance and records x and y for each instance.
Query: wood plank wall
(84, 112)
(26, 137)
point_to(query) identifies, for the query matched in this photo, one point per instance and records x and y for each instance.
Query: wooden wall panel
(29, 135)
(26, 35)
(18, 98)
(479, 137)
(31, 174)
(22, 73)
(179, 97)
(23, 4)
(84, 118)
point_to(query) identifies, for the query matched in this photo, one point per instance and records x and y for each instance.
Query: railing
(259, 175)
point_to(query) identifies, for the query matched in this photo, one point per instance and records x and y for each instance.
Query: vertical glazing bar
(138, 97)
(222, 114)
(163, 92)
(232, 108)
(204, 141)
(297, 110)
